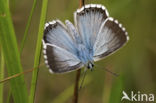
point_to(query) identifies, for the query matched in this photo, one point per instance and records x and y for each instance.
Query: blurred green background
(135, 63)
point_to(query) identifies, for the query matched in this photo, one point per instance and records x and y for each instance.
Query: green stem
(11, 55)
(27, 26)
(9, 96)
(38, 49)
(1, 76)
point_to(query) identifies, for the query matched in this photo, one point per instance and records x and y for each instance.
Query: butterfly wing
(59, 48)
(88, 20)
(56, 33)
(59, 60)
(110, 38)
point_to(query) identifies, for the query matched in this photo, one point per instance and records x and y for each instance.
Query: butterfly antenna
(109, 71)
(84, 75)
(115, 74)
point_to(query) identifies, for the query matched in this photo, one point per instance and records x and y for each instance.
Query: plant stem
(38, 51)
(1, 77)
(27, 26)
(81, 3)
(76, 89)
(11, 55)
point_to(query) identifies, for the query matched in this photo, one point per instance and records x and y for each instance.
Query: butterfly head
(90, 65)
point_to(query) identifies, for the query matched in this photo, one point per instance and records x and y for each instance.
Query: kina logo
(142, 97)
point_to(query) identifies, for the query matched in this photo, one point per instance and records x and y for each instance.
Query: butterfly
(94, 36)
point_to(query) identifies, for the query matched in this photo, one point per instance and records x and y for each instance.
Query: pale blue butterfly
(94, 36)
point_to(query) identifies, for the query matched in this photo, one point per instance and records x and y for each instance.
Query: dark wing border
(50, 59)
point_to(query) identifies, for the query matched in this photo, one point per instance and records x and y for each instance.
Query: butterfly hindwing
(111, 37)
(60, 60)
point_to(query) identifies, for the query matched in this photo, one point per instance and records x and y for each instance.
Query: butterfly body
(84, 54)
(94, 36)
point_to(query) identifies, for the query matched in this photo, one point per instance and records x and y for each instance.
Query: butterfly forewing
(88, 20)
(111, 37)
(56, 33)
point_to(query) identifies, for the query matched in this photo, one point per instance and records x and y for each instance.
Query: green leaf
(11, 54)
(38, 50)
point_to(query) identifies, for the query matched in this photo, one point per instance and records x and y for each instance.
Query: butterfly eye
(90, 65)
